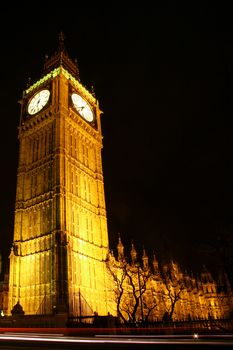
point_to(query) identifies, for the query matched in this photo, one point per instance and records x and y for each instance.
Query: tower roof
(61, 58)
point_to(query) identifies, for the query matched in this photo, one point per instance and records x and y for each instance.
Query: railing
(92, 325)
(109, 323)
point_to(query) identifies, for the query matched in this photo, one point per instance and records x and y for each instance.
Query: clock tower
(60, 241)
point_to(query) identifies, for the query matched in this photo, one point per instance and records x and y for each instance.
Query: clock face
(82, 107)
(38, 101)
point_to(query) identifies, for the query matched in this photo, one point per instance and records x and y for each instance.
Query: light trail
(33, 337)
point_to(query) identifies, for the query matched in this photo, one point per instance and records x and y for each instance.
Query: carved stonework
(60, 217)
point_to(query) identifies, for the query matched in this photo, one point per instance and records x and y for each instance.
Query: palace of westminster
(60, 261)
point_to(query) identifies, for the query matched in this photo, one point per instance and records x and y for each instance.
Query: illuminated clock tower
(60, 242)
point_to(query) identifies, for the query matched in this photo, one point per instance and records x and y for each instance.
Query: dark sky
(163, 78)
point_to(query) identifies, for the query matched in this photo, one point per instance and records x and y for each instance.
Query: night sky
(163, 78)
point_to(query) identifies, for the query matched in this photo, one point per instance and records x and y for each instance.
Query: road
(10, 341)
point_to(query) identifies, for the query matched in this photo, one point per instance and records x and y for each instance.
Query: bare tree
(150, 305)
(130, 286)
(174, 286)
(118, 274)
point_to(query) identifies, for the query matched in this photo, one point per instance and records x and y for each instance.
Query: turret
(133, 254)
(155, 264)
(145, 260)
(120, 249)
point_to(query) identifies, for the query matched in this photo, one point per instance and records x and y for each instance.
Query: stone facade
(147, 291)
(60, 242)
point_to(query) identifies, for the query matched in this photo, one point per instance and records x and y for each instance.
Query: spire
(145, 259)
(133, 254)
(110, 258)
(61, 58)
(155, 263)
(120, 249)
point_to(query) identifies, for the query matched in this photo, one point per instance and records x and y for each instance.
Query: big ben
(60, 241)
